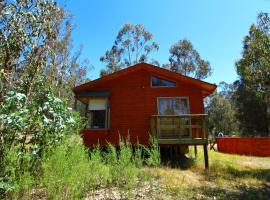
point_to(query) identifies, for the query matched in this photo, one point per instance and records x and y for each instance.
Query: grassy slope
(229, 177)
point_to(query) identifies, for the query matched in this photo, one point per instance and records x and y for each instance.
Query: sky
(216, 28)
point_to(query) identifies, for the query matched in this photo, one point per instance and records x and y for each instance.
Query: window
(159, 82)
(173, 106)
(98, 113)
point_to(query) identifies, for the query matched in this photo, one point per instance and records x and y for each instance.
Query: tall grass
(70, 171)
(153, 153)
(66, 170)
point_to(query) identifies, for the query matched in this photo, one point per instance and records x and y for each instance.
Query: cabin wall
(132, 101)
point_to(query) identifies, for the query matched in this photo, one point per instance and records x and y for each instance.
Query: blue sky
(215, 27)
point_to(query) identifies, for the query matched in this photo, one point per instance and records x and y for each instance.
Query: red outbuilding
(144, 99)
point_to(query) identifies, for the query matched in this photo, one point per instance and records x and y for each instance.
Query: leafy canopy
(133, 45)
(184, 59)
(35, 38)
(254, 73)
(221, 111)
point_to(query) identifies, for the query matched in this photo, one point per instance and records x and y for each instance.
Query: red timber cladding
(132, 102)
(244, 146)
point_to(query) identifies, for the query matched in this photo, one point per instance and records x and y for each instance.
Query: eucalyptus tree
(253, 70)
(34, 63)
(35, 38)
(221, 110)
(133, 45)
(184, 59)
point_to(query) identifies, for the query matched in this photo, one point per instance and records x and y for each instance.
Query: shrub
(153, 153)
(66, 170)
(100, 170)
(138, 157)
(124, 172)
(69, 171)
(30, 127)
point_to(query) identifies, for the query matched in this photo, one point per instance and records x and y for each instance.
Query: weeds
(69, 171)
(153, 153)
(66, 170)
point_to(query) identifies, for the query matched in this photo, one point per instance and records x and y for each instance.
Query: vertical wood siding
(132, 102)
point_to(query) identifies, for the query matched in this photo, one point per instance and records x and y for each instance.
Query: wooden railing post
(153, 126)
(203, 127)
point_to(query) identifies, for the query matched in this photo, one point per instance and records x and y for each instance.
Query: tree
(33, 68)
(66, 71)
(254, 73)
(133, 45)
(184, 59)
(222, 112)
(251, 111)
(35, 38)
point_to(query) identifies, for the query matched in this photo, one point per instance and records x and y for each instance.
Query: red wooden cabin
(144, 99)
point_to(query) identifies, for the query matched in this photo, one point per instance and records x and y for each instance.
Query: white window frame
(107, 115)
(179, 97)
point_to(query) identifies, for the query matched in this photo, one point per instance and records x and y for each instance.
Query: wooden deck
(187, 129)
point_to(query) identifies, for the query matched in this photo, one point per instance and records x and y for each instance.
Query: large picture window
(98, 113)
(169, 126)
(173, 105)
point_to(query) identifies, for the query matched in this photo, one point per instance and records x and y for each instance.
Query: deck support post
(205, 151)
(195, 151)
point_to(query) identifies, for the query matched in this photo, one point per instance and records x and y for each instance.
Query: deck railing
(179, 129)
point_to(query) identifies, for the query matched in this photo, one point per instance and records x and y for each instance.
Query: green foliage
(132, 45)
(35, 39)
(36, 68)
(153, 153)
(248, 103)
(30, 127)
(69, 171)
(222, 113)
(138, 156)
(66, 171)
(184, 59)
(254, 72)
(38, 124)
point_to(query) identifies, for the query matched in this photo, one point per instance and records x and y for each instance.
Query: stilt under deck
(189, 129)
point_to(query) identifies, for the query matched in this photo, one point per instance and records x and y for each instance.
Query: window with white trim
(173, 106)
(97, 113)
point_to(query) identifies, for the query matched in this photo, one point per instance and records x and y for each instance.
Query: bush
(66, 170)
(153, 153)
(30, 127)
(69, 171)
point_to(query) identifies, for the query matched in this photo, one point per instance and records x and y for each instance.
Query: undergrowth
(70, 171)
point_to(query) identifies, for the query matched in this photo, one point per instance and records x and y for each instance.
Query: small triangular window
(160, 82)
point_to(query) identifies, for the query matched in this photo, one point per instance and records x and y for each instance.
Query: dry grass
(229, 177)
